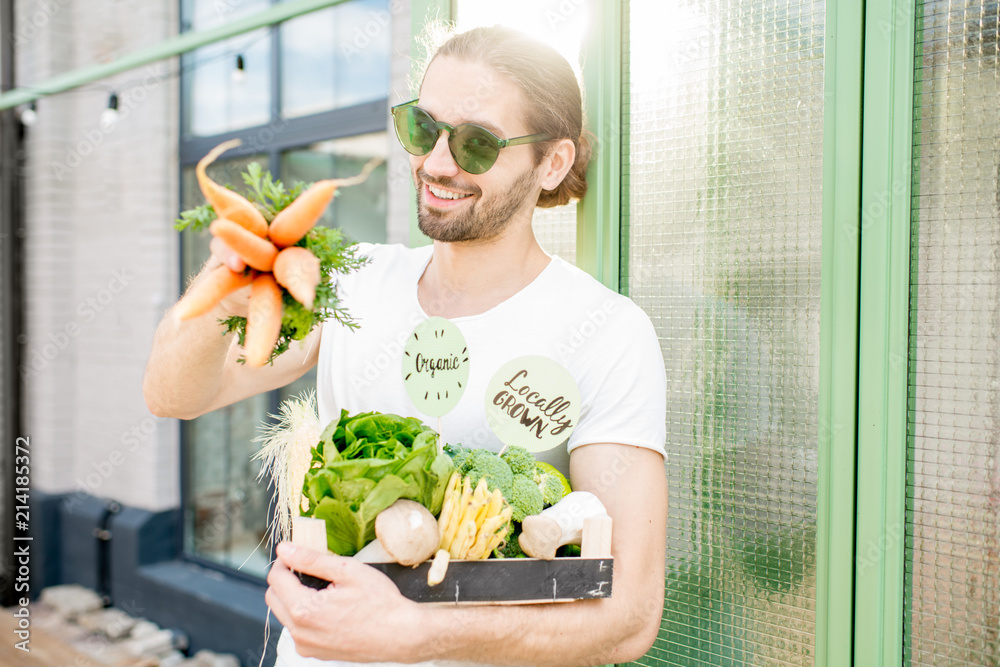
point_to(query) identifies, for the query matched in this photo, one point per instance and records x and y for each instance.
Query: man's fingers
(331, 567)
(291, 601)
(281, 577)
(278, 608)
(226, 254)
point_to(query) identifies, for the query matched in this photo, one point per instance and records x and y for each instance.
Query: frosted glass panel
(952, 579)
(335, 57)
(722, 250)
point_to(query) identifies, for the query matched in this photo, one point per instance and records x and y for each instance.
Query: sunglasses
(475, 149)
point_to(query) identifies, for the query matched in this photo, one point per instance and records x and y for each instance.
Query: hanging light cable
(109, 117)
(239, 74)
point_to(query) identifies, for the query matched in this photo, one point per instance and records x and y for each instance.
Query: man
(486, 273)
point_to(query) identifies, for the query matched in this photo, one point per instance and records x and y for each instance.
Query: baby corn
(472, 523)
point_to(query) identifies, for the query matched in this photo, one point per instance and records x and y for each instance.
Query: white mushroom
(408, 532)
(542, 534)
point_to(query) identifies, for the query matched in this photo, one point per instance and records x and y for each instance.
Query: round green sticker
(532, 402)
(435, 366)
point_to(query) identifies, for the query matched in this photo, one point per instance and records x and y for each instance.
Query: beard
(485, 220)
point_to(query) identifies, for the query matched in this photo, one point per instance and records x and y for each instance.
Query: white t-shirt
(603, 339)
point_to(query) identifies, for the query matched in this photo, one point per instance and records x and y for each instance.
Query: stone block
(159, 644)
(206, 658)
(143, 629)
(112, 623)
(71, 600)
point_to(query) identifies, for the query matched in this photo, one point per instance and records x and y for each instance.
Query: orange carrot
(298, 271)
(229, 204)
(296, 219)
(263, 320)
(210, 290)
(255, 251)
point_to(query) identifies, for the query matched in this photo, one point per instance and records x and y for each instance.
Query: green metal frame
(423, 12)
(918, 105)
(843, 66)
(598, 227)
(169, 48)
(884, 327)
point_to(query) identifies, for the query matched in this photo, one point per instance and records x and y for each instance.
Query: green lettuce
(363, 464)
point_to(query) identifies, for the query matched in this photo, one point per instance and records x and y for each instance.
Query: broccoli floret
(482, 463)
(551, 489)
(458, 454)
(511, 548)
(520, 460)
(551, 482)
(525, 498)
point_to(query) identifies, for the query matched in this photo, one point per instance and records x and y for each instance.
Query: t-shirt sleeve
(622, 384)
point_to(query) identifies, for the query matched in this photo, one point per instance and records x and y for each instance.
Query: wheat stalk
(286, 455)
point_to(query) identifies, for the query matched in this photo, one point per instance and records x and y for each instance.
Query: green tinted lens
(474, 149)
(416, 130)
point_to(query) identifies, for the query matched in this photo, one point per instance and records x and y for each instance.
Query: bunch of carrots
(277, 241)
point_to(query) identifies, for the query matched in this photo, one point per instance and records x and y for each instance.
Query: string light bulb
(239, 74)
(29, 115)
(109, 117)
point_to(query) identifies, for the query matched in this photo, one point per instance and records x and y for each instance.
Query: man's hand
(237, 303)
(226, 255)
(192, 369)
(360, 616)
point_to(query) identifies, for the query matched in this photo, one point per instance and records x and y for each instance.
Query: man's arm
(193, 367)
(363, 616)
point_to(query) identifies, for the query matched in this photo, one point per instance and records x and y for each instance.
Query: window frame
(273, 138)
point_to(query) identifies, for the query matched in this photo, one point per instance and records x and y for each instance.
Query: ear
(557, 164)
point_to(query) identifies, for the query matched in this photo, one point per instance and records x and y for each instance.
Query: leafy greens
(362, 465)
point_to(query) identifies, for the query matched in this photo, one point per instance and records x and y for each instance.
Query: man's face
(454, 205)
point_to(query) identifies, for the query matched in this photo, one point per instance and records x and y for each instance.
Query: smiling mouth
(446, 195)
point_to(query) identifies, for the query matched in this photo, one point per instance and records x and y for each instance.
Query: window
(311, 102)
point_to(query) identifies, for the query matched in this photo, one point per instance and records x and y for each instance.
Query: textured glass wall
(725, 124)
(555, 229)
(952, 580)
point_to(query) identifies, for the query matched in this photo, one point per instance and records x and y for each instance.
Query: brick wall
(100, 255)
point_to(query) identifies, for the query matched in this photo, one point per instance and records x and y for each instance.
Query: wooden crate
(512, 580)
(494, 581)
